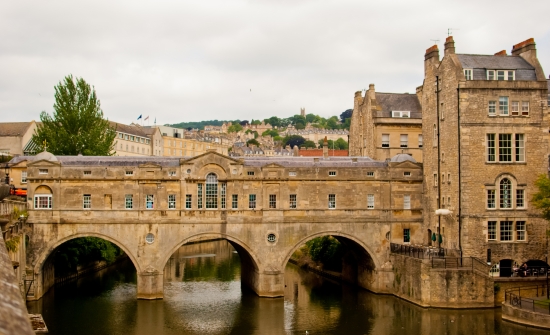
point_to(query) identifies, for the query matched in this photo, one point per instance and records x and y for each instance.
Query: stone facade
(364, 203)
(481, 154)
(386, 124)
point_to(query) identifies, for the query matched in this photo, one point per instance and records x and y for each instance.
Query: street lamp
(7, 171)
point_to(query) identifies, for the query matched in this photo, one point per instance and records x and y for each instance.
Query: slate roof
(13, 128)
(398, 102)
(481, 63)
(132, 130)
(286, 161)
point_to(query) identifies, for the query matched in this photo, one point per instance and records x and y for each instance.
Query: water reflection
(203, 295)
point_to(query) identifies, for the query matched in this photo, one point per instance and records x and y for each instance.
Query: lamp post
(7, 171)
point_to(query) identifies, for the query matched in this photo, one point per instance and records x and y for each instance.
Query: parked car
(533, 267)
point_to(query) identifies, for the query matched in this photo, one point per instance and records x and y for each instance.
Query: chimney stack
(501, 53)
(431, 59)
(449, 46)
(524, 47)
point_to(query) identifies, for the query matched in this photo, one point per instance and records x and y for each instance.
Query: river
(203, 295)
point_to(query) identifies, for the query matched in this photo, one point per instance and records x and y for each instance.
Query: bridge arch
(43, 256)
(238, 244)
(335, 234)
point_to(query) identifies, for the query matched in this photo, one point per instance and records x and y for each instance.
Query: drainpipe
(459, 175)
(438, 163)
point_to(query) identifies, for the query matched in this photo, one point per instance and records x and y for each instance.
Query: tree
(256, 122)
(234, 128)
(293, 140)
(77, 125)
(332, 123)
(244, 123)
(346, 115)
(309, 144)
(541, 199)
(311, 118)
(341, 144)
(253, 142)
(270, 132)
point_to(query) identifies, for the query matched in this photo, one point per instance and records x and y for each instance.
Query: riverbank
(328, 274)
(97, 266)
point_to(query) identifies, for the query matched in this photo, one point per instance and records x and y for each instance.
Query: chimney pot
(501, 53)
(449, 46)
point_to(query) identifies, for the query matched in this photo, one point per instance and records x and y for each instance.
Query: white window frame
(370, 201)
(150, 201)
(38, 204)
(24, 177)
(332, 173)
(420, 141)
(385, 140)
(332, 201)
(273, 201)
(129, 201)
(234, 201)
(42, 171)
(503, 106)
(469, 74)
(129, 173)
(405, 114)
(406, 201)
(514, 108)
(521, 231)
(495, 151)
(292, 174)
(492, 230)
(292, 201)
(404, 140)
(491, 75)
(188, 201)
(492, 107)
(370, 173)
(87, 201)
(252, 201)
(171, 201)
(525, 108)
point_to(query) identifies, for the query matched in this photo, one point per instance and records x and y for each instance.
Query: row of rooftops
(285, 161)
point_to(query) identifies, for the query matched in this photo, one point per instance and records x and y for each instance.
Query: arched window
(211, 191)
(505, 193)
(43, 197)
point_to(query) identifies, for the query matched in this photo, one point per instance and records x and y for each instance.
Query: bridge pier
(150, 285)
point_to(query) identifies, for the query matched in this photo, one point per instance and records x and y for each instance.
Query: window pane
(406, 202)
(506, 230)
(188, 201)
(406, 235)
(491, 148)
(199, 195)
(149, 201)
(492, 230)
(272, 201)
(332, 201)
(129, 200)
(505, 193)
(525, 107)
(234, 201)
(505, 147)
(370, 201)
(385, 140)
(211, 191)
(520, 230)
(491, 199)
(252, 201)
(222, 195)
(520, 198)
(171, 201)
(520, 148)
(515, 107)
(492, 107)
(292, 201)
(500, 75)
(86, 201)
(503, 105)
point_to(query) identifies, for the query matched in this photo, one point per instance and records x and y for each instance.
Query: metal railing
(468, 263)
(422, 252)
(531, 298)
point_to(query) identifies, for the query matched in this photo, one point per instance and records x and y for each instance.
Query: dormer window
(469, 74)
(509, 75)
(401, 114)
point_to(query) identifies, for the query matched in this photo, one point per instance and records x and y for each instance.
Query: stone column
(150, 285)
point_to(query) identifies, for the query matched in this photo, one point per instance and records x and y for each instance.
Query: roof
(319, 153)
(402, 158)
(132, 130)
(14, 128)
(398, 102)
(524, 70)
(286, 161)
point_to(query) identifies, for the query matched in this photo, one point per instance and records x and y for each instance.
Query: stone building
(16, 138)
(178, 142)
(386, 124)
(485, 134)
(135, 140)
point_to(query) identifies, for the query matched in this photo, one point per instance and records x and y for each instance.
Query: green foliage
(339, 144)
(253, 142)
(200, 124)
(83, 250)
(270, 132)
(309, 144)
(77, 125)
(235, 128)
(541, 199)
(255, 122)
(12, 244)
(311, 118)
(248, 131)
(293, 140)
(326, 250)
(346, 115)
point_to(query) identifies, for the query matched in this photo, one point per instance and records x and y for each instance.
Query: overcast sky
(222, 59)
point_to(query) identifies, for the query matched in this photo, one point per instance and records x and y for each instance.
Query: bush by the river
(324, 251)
(82, 251)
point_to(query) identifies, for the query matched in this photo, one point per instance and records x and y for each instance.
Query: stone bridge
(266, 208)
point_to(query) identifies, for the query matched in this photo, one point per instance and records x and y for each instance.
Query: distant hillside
(199, 124)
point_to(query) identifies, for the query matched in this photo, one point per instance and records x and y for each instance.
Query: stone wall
(14, 318)
(525, 317)
(415, 280)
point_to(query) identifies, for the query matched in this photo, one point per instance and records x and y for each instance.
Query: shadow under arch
(46, 253)
(359, 262)
(250, 263)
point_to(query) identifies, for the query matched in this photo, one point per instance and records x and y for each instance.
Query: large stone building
(386, 124)
(178, 142)
(16, 138)
(135, 140)
(485, 131)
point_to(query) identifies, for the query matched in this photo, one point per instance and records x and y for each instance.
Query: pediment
(21, 164)
(44, 162)
(208, 156)
(405, 165)
(149, 166)
(273, 166)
